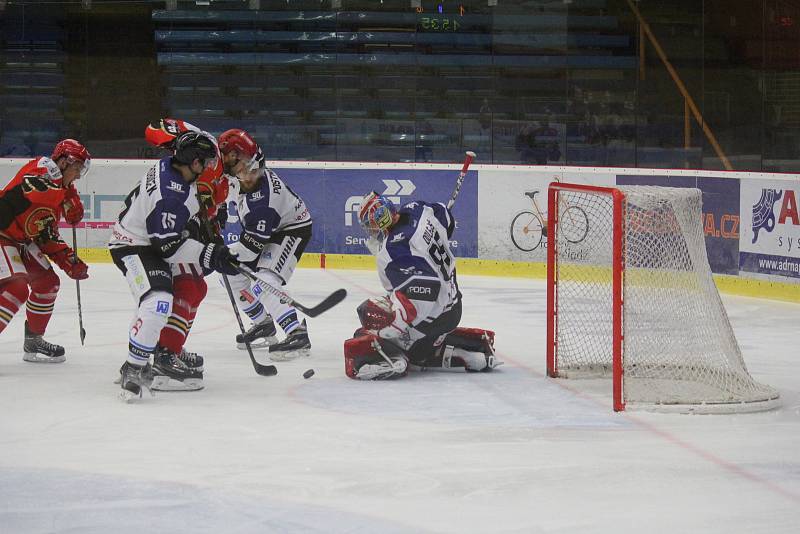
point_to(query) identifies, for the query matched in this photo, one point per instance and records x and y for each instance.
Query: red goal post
(631, 296)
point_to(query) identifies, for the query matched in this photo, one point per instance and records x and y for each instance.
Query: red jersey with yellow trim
(31, 203)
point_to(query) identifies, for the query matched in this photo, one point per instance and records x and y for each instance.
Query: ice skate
(132, 379)
(260, 335)
(192, 360)
(37, 350)
(294, 346)
(171, 374)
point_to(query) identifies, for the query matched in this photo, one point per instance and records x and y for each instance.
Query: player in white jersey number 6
(276, 227)
(416, 323)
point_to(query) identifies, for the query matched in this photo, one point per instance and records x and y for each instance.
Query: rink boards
(751, 220)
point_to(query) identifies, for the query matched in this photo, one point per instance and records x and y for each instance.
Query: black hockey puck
(308, 374)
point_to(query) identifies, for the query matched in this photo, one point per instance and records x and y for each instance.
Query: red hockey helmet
(245, 145)
(74, 152)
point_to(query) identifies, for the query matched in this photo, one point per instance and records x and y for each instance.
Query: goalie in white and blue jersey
(417, 321)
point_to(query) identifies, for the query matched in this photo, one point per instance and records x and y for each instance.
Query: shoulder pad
(54, 173)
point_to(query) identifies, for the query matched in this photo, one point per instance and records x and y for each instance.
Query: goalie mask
(376, 216)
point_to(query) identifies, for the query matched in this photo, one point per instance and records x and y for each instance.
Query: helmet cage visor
(85, 164)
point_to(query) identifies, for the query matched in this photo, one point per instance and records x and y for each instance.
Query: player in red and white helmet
(276, 227)
(31, 206)
(240, 153)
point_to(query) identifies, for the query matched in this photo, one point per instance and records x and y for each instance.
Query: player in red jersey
(31, 206)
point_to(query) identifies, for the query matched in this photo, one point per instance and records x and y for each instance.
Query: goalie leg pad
(364, 361)
(470, 348)
(475, 339)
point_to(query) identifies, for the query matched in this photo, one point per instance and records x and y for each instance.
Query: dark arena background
(708, 84)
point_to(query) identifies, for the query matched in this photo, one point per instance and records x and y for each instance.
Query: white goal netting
(679, 352)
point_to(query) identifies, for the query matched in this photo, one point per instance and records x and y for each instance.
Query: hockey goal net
(631, 297)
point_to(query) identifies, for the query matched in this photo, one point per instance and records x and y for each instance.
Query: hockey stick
(467, 160)
(78, 286)
(327, 303)
(263, 370)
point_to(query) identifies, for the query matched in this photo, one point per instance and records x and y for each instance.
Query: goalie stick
(467, 160)
(327, 303)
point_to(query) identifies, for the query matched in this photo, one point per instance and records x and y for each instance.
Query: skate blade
(260, 343)
(34, 357)
(165, 383)
(289, 355)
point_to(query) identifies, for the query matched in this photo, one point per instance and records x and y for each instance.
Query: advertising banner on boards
(770, 235)
(513, 210)
(720, 214)
(333, 197)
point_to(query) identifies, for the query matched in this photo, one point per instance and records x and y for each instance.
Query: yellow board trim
(733, 285)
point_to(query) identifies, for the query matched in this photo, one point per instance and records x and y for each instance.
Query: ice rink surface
(508, 451)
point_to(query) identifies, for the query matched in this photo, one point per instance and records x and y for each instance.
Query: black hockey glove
(219, 258)
(192, 230)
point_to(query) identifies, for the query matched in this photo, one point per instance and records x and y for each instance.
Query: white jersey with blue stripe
(271, 207)
(415, 259)
(156, 213)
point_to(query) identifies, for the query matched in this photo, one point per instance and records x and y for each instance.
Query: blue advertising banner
(770, 242)
(720, 218)
(344, 189)
(333, 196)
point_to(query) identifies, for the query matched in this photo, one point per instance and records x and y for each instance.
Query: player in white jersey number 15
(416, 324)
(149, 237)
